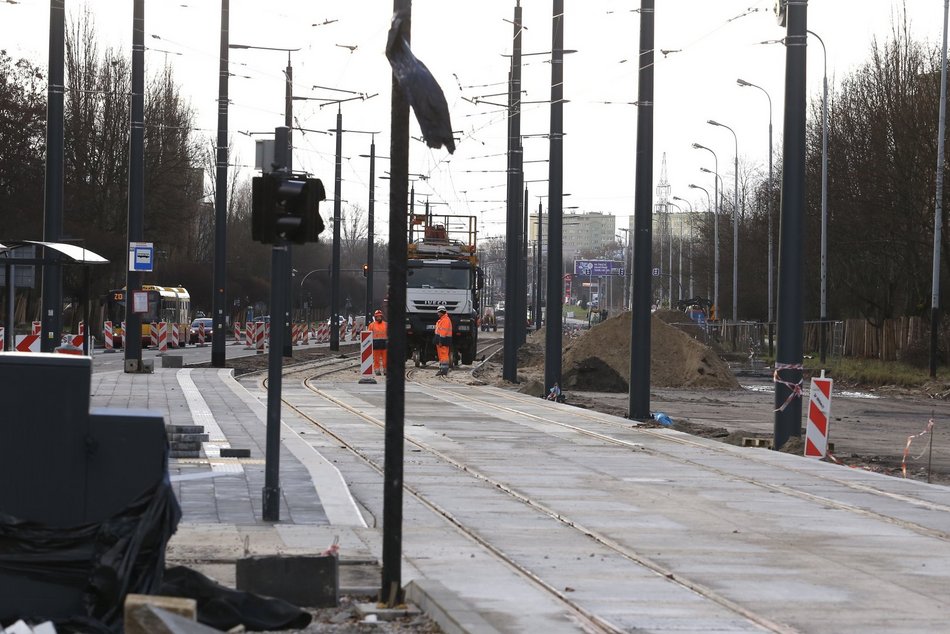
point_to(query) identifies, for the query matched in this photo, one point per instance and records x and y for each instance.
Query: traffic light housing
(366, 270)
(286, 208)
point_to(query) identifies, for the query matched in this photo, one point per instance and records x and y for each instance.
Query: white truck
(443, 271)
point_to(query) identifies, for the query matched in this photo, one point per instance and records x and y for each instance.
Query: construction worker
(378, 328)
(443, 340)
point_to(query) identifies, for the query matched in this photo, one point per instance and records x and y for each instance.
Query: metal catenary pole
(938, 207)
(513, 290)
(132, 341)
(788, 354)
(555, 290)
(219, 273)
(639, 395)
(335, 266)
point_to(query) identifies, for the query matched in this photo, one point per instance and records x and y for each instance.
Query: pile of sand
(599, 360)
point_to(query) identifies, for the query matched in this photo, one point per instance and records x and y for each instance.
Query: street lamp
(709, 206)
(735, 226)
(771, 302)
(680, 271)
(823, 317)
(683, 200)
(697, 146)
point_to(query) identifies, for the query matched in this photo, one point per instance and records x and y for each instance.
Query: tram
(171, 304)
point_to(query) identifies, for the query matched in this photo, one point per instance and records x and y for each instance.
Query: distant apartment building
(583, 233)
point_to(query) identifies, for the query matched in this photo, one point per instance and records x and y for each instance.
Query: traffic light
(366, 270)
(286, 208)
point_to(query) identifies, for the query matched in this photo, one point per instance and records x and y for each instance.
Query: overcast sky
(465, 45)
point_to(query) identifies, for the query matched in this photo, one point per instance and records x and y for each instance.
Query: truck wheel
(468, 356)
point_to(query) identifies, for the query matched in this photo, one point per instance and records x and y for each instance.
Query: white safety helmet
(440, 309)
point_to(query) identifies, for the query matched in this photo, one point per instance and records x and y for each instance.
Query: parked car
(207, 321)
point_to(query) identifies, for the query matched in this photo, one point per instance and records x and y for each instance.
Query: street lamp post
(735, 226)
(683, 200)
(823, 317)
(679, 272)
(708, 206)
(771, 302)
(715, 226)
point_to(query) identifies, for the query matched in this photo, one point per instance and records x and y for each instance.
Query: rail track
(610, 431)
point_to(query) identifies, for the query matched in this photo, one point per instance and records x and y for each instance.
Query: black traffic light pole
(133, 321)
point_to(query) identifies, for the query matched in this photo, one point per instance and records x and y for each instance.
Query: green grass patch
(871, 371)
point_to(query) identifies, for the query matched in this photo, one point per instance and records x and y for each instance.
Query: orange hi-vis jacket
(443, 331)
(378, 328)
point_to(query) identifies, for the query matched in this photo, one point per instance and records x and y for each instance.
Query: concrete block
(173, 361)
(148, 366)
(140, 618)
(155, 620)
(304, 580)
(231, 452)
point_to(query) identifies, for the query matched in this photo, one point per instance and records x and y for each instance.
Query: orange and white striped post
(819, 415)
(237, 334)
(201, 334)
(175, 334)
(366, 357)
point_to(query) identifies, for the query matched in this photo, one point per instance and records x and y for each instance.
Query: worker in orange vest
(443, 340)
(378, 328)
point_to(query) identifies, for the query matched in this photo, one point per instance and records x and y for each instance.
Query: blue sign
(597, 268)
(141, 256)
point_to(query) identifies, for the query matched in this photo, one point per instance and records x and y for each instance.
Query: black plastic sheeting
(224, 608)
(105, 561)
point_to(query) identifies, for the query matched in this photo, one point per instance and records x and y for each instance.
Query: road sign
(589, 268)
(656, 271)
(141, 256)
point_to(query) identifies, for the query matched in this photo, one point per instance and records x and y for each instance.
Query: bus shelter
(70, 254)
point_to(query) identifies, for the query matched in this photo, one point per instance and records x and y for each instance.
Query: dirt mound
(600, 359)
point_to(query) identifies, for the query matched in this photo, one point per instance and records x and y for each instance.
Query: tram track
(748, 456)
(601, 429)
(594, 622)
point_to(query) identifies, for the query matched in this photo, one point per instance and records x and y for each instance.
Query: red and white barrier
(819, 415)
(249, 329)
(107, 336)
(238, 335)
(201, 334)
(175, 336)
(153, 334)
(323, 333)
(122, 334)
(163, 337)
(27, 343)
(260, 333)
(366, 357)
(305, 339)
(37, 328)
(2, 341)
